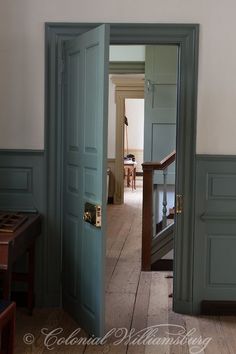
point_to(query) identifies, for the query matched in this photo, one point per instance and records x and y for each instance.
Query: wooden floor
(134, 299)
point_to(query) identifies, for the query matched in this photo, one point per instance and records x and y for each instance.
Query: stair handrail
(147, 221)
(162, 165)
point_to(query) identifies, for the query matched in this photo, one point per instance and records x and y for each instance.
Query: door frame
(125, 87)
(186, 37)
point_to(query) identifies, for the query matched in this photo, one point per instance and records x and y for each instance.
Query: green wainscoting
(22, 181)
(22, 187)
(215, 230)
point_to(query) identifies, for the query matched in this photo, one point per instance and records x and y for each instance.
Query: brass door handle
(93, 214)
(179, 203)
(87, 216)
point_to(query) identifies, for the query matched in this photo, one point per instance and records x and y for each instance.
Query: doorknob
(93, 214)
(87, 216)
(179, 203)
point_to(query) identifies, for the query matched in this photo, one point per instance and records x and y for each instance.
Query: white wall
(134, 111)
(22, 62)
(127, 53)
(111, 143)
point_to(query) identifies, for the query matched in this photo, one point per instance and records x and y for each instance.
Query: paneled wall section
(22, 188)
(215, 229)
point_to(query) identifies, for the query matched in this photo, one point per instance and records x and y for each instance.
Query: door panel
(163, 135)
(160, 106)
(85, 134)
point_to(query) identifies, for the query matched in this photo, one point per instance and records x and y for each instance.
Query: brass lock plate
(93, 214)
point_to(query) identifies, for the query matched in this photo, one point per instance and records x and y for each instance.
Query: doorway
(186, 38)
(159, 86)
(125, 87)
(133, 145)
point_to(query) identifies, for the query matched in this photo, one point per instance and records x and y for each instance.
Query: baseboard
(222, 308)
(163, 265)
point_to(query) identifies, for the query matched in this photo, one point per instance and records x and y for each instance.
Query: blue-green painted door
(84, 166)
(161, 67)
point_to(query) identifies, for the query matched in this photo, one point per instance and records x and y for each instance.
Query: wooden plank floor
(134, 299)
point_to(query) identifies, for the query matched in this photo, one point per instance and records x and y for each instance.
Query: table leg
(31, 280)
(128, 177)
(7, 284)
(132, 178)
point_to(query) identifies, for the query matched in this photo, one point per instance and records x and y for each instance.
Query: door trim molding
(186, 36)
(125, 87)
(126, 67)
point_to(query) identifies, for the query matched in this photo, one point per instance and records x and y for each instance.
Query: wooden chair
(7, 326)
(130, 173)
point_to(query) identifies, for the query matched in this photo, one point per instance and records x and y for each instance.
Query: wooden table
(130, 171)
(12, 246)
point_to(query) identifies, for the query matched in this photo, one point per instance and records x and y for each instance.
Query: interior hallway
(134, 299)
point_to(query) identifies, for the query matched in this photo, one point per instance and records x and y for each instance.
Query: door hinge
(179, 203)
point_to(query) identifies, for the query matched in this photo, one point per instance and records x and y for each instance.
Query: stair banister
(147, 219)
(164, 201)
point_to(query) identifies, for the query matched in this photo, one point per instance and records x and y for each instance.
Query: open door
(84, 178)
